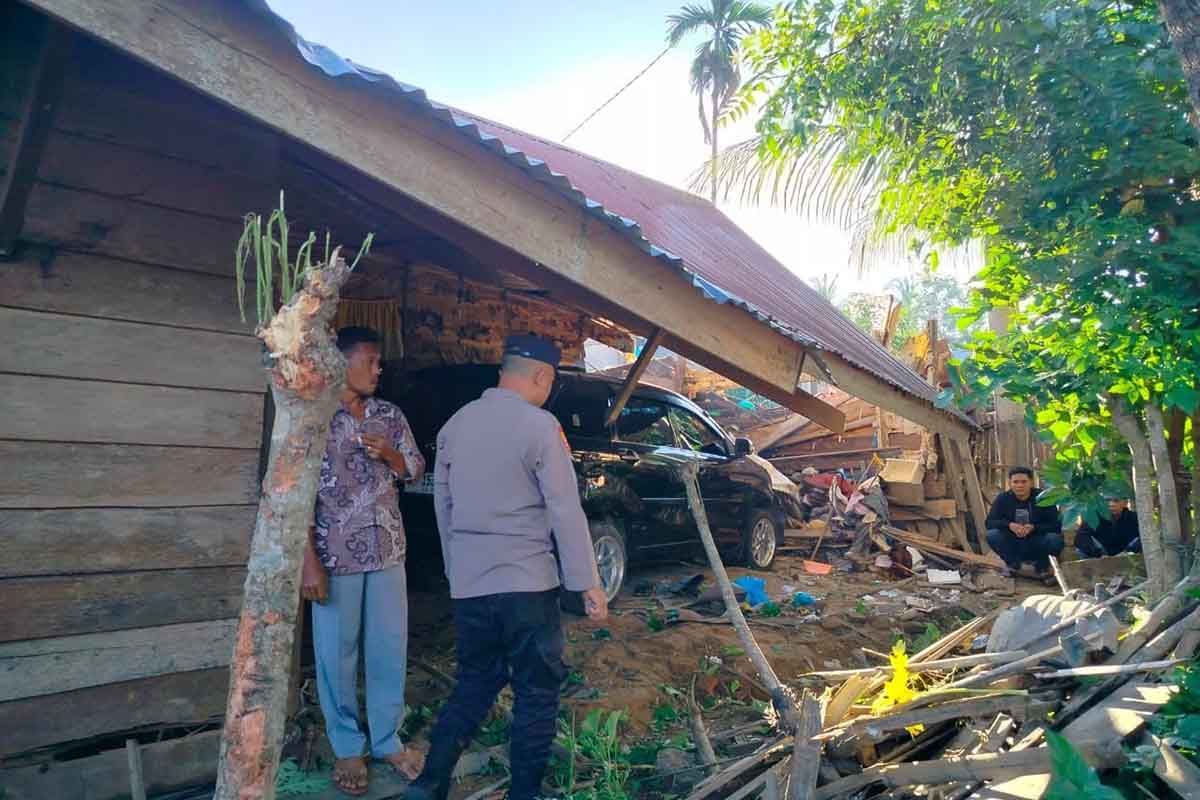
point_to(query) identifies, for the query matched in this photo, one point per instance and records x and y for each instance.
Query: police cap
(535, 347)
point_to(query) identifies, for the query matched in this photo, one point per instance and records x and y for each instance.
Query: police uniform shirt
(506, 498)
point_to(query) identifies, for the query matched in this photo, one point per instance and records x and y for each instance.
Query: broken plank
(710, 786)
(923, 543)
(1018, 705)
(1176, 771)
(942, 664)
(957, 768)
(806, 750)
(1099, 735)
(1106, 670)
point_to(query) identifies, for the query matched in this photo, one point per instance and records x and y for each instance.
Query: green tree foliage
(1054, 131)
(922, 297)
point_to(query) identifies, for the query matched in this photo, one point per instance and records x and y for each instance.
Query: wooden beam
(42, 99)
(974, 491)
(635, 375)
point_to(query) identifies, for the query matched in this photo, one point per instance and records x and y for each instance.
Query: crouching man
(1117, 534)
(1020, 530)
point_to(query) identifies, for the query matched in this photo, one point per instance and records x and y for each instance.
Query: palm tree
(715, 70)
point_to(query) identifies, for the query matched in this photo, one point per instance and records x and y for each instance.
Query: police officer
(511, 523)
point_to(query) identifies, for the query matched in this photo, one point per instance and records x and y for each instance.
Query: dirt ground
(636, 661)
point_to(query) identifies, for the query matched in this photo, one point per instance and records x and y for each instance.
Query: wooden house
(134, 134)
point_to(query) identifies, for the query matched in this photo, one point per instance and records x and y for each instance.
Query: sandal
(351, 776)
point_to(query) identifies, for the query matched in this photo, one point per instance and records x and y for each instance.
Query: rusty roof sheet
(690, 233)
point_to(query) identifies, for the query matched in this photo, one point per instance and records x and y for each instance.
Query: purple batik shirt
(358, 526)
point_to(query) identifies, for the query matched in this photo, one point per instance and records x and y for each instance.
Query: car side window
(694, 433)
(645, 422)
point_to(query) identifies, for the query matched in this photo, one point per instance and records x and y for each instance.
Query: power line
(603, 105)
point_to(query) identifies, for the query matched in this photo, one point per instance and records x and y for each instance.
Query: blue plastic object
(756, 589)
(803, 599)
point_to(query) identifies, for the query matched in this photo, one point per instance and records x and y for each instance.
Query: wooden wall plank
(63, 409)
(54, 475)
(79, 347)
(66, 663)
(70, 605)
(112, 226)
(184, 697)
(116, 539)
(95, 286)
(109, 168)
(169, 765)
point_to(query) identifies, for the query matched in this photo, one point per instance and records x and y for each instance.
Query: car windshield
(645, 422)
(694, 433)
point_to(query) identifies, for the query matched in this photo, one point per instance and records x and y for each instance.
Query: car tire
(612, 562)
(760, 541)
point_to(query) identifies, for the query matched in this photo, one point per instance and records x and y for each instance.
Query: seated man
(1118, 534)
(1020, 530)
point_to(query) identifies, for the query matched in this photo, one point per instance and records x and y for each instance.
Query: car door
(643, 428)
(724, 498)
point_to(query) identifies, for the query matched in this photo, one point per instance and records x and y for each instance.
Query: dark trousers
(1036, 547)
(1110, 542)
(502, 638)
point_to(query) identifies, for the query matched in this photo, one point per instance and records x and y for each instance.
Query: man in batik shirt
(354, 569)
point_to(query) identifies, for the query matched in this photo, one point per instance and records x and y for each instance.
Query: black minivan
(637, 507)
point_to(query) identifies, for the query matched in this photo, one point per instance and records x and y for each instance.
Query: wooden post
(635, 374)
(973, 491)
(37, 116)
(137, 778)
(306, 374)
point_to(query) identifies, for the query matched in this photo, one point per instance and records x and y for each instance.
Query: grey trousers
(370, 610)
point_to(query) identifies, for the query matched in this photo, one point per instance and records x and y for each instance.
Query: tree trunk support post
(306, 374)
(635, 375)
(37, 117)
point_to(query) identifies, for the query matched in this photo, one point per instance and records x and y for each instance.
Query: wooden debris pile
(957, 720)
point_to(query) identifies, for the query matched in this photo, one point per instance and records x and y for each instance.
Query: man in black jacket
(1118, 534)
(1020, 530)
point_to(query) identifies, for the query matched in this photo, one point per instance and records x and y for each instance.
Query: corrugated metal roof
(673, 225)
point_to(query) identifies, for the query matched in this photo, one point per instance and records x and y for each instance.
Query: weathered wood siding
(131, 403)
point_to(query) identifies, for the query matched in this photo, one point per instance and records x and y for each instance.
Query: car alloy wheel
(610, 558)
(761, 541)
